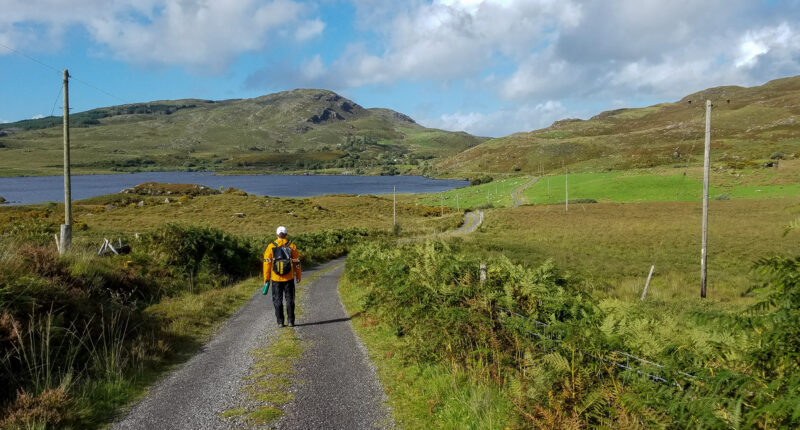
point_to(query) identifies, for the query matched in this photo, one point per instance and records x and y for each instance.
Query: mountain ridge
(749, 124)
(295, 130)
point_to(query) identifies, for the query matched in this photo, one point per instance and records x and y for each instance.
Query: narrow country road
(342, 388)
(335, 384)
(472, 220)
(339, 388)
(517, 196)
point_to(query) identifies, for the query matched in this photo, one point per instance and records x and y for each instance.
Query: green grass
(612, 245)
(428, 321)
(187, 322)
(633, 186)
(636, 186)
(496, 193)
(423, 395)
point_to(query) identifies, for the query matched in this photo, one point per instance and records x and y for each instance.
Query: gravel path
(517, 196)
(472, 220)
(338, 387)
(193, 395)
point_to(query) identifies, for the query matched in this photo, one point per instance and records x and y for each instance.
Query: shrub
(52, 408)
(557, 356)
(189, 251)
(776, 156)
(485, 179)
(575, 201)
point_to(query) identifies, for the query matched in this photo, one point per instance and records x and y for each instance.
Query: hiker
(281, 269)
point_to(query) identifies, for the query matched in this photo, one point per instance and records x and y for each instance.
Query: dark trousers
(280, 289)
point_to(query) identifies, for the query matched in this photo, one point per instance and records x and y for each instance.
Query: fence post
(483, 273)
(647, 284)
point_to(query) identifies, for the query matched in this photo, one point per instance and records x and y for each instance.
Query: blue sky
(489, 67)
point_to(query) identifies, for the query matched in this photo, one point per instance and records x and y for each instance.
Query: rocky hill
(298, 130)
(749, 126)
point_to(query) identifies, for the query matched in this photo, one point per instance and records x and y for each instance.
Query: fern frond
(556, 361)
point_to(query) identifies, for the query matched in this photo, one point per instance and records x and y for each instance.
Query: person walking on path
(281, 269)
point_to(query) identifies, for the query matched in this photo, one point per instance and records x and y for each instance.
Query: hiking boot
(280, 324)
(291, 324)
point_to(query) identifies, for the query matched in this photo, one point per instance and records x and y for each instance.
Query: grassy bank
(451, 353)
(422, 394)
(82, 335)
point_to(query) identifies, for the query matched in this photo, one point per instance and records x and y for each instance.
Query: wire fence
(617, 359)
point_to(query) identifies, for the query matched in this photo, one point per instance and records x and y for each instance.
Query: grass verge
(188, 321)
(424, 395)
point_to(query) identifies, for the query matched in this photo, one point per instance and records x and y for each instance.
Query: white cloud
(782, 39)
(37, 116)
(313, 69)
(451, 39)
(309, 30)
(502, 122)
(203, 35)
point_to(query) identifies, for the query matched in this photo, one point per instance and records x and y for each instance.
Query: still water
(39, 189)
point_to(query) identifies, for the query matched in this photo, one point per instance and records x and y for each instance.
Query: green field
(632, 187)
(496, 194)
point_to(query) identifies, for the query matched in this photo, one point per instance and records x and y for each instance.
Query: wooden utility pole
(394, 207)
(458, 204)
(66, 228)
(706, 168)
(442, 205)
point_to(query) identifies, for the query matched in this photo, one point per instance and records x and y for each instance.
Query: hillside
(294, 130)
(749, 125)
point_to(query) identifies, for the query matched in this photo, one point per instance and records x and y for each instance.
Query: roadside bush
(485, 179)
(189, 251)
(560, 357)
(575, 201)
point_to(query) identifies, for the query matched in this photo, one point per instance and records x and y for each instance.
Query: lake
(39, 189)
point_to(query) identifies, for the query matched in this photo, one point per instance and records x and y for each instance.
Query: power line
(99, 89)
(29, 57)
(61, 88)
(59, 71)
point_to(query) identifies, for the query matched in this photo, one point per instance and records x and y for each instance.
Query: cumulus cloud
(770, 50)
(309, 30)
(205, 35)
(451, 39)
(502, 122)
(37, 116)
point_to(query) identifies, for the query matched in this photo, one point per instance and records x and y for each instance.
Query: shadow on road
(323, 322)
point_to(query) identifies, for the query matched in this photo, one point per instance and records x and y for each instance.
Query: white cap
(281, 230)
